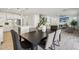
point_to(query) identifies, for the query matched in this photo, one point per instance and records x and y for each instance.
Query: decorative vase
(44, 28)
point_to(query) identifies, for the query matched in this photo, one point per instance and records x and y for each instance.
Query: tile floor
(69, 41)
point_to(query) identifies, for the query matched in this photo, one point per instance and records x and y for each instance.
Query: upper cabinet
(12, 16)
(2, 19)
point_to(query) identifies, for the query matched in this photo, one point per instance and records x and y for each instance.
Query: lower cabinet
(1, 35)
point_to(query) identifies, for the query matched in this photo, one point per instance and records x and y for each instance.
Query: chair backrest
(49, 40)
(54, 28)
(58, 32)
(16, 42)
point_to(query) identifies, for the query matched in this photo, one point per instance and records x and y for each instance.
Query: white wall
(36, 20)
(54, 20)
(49, 19)
(78, 22)
(24, 20)
(31, 20)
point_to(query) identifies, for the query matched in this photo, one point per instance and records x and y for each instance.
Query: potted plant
(42, 23)
(73, 24)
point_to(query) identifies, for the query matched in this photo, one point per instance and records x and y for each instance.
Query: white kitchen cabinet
(1, 35)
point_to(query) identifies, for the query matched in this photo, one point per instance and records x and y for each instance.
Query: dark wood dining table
(36, 36)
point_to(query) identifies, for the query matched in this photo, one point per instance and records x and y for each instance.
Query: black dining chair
(18, 44)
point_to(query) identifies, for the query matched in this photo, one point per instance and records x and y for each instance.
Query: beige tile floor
(7, 43)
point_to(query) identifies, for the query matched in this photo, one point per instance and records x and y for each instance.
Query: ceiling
(43, 11)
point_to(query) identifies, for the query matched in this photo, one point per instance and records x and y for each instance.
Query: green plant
(43, 21)
(73, 23)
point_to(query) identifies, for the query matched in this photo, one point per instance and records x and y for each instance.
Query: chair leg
(20, 38)
(52, 47)
(57, 43)
(60, 37)
(34, 47)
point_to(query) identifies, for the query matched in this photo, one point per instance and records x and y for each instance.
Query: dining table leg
(34, 47)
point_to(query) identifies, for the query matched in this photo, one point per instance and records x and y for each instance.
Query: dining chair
(18, 44)
(57, 38)
(49, 43)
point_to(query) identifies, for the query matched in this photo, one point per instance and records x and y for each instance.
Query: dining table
(35, 37)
